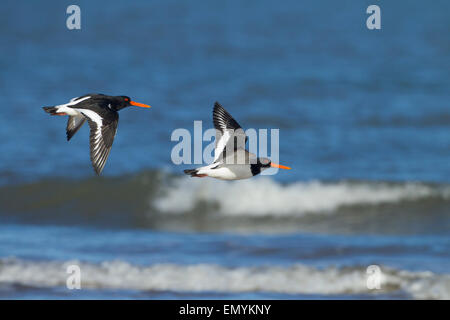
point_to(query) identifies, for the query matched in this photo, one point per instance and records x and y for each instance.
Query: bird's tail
(191, 172)
(194, 173)
(51, 110)
(54, 111)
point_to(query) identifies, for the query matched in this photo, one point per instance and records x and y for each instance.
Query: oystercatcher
(231, 160)
(101, 113)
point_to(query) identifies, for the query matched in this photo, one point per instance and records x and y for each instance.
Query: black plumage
(101, 112)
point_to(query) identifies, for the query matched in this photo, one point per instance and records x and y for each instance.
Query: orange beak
(274, 165)
(137, 104)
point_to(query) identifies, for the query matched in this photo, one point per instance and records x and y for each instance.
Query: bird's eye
(126, 99)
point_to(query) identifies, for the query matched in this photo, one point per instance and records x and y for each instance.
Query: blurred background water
(363, 118)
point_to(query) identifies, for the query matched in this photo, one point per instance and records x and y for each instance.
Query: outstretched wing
(101, 138)
(73, 124)
(228, 132)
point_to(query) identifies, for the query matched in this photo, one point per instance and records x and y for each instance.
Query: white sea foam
(296, 279)
(263, 196)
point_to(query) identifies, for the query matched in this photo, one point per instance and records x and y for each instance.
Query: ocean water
(364, 122)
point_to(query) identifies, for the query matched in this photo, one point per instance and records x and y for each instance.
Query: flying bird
(101, 112)
(231, 160)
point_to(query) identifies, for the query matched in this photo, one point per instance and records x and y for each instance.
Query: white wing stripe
(73, 102)
(220, 147)
(94, 116)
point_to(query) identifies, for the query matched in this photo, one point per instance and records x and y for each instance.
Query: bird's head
(124, 101)
(265, 163)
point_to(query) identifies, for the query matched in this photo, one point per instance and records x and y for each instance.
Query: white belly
(230, 172)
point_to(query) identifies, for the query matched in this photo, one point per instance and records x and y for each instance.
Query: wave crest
(295, 279)
(264, 196)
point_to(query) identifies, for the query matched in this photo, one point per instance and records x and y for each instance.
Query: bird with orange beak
(101, 112)
(231, 160)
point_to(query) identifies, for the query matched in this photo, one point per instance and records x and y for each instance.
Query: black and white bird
(101, 112)
(231, 160)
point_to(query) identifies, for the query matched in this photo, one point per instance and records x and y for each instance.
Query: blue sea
(364, 121)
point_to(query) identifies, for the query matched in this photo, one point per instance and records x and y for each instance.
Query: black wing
(226, 128)
(101, 140)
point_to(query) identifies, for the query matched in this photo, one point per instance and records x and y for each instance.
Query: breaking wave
(157, 200)
(264, 196)
(295, 279)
